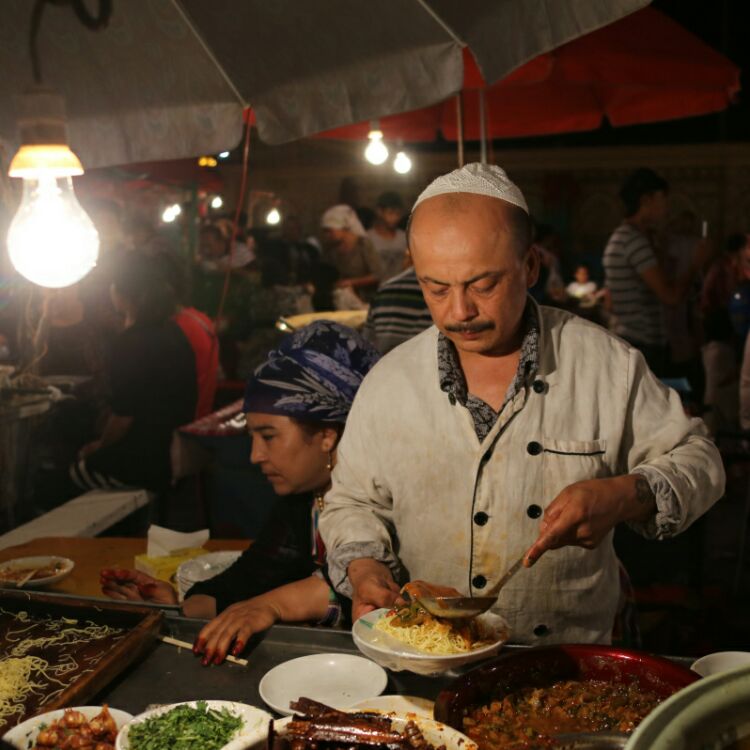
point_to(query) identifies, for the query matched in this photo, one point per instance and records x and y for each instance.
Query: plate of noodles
(430, 645)
(24, 572)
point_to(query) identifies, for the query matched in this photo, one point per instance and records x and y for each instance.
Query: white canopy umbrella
(168, 79)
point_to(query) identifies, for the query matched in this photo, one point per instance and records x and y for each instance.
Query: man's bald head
(505, 216)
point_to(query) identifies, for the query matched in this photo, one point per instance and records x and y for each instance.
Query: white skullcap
(480, 179)
(342, 217)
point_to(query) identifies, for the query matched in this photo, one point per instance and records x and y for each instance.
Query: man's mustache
(474, 327)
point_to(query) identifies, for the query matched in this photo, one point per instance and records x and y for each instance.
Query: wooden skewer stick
(29, 575)
(185, 644)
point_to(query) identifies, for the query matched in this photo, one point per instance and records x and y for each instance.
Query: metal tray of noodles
(57, 652)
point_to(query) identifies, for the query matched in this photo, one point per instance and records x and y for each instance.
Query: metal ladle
(456, 607)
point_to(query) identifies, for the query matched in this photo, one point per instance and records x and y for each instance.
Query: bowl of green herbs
(195, 725)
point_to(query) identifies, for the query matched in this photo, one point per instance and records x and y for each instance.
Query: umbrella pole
(482, 129)
(460, 125)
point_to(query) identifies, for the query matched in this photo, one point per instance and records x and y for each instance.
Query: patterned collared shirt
(453, 382)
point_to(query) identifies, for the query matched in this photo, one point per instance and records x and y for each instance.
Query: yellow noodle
(432, 636)
(23, 675)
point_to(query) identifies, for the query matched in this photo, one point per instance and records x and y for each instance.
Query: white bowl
(40, 561)
(24, 735)
(338, 680)
(721, 661)
(397, 656)
(254, 723)
(202, 568)
(710, 713)
(435, 732)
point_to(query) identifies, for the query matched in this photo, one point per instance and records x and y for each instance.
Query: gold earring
(329, 465)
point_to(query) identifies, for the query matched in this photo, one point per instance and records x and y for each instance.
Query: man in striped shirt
(397, 313)
(636, 281)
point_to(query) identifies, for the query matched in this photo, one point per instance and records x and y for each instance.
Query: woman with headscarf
(348, 249)
(296, 404)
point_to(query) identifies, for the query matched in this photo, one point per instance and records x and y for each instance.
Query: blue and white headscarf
(313, 375)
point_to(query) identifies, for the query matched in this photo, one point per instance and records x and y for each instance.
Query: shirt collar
(452, 379)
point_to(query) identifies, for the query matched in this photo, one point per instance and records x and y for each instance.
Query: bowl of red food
(532, 697)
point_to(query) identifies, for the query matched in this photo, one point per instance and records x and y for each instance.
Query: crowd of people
(494, 378)
(388, 470)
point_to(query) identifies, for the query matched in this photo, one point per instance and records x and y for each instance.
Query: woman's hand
(234, 627)
(305, 600)
(132, 585)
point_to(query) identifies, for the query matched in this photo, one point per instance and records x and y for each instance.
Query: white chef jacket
(415, 488)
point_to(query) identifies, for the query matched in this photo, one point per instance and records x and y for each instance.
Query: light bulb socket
(41, 117)
(44, 137)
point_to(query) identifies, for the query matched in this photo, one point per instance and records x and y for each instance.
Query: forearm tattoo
(643, 492)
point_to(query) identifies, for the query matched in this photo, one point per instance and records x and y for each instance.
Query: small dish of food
(210, 725)
(408, 638)
(60, 728)
(316, 725)
(25, 572)
(340, 680)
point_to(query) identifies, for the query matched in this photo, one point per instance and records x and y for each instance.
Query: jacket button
(533, 511)
(539, 386)
(481, 518)
(541, 630)
(479, 582)
(452, 399)
(534, 448)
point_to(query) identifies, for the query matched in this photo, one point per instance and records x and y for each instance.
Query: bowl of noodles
(431, 646)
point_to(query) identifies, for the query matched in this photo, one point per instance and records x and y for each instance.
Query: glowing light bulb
(402, 163)
(273, 216)
(223, 154)
(52, 241)
(217, 202)
(171, 213)
(376, 151)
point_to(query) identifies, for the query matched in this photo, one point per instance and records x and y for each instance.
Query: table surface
(90, 555)
(170, 674)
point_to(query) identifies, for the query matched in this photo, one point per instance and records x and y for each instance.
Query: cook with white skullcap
(478, 179)
(503, 432)
(347, 248)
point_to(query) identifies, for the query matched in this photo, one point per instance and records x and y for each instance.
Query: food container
(583, 662)
(711, 714)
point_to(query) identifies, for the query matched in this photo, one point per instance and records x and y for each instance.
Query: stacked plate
(202, 568)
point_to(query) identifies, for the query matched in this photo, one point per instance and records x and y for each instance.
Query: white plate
(338, 680)
(24, 735)
(40, 561)
(434, 732)
(254, 723)
(721, 661)
(408, 706)
(203, 567)
(397, 656)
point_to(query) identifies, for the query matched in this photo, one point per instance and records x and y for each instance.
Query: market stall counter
(170, 674)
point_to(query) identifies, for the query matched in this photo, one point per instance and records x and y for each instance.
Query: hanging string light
(376, 151)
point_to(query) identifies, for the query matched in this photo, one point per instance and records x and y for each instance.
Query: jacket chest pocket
(568, 461)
